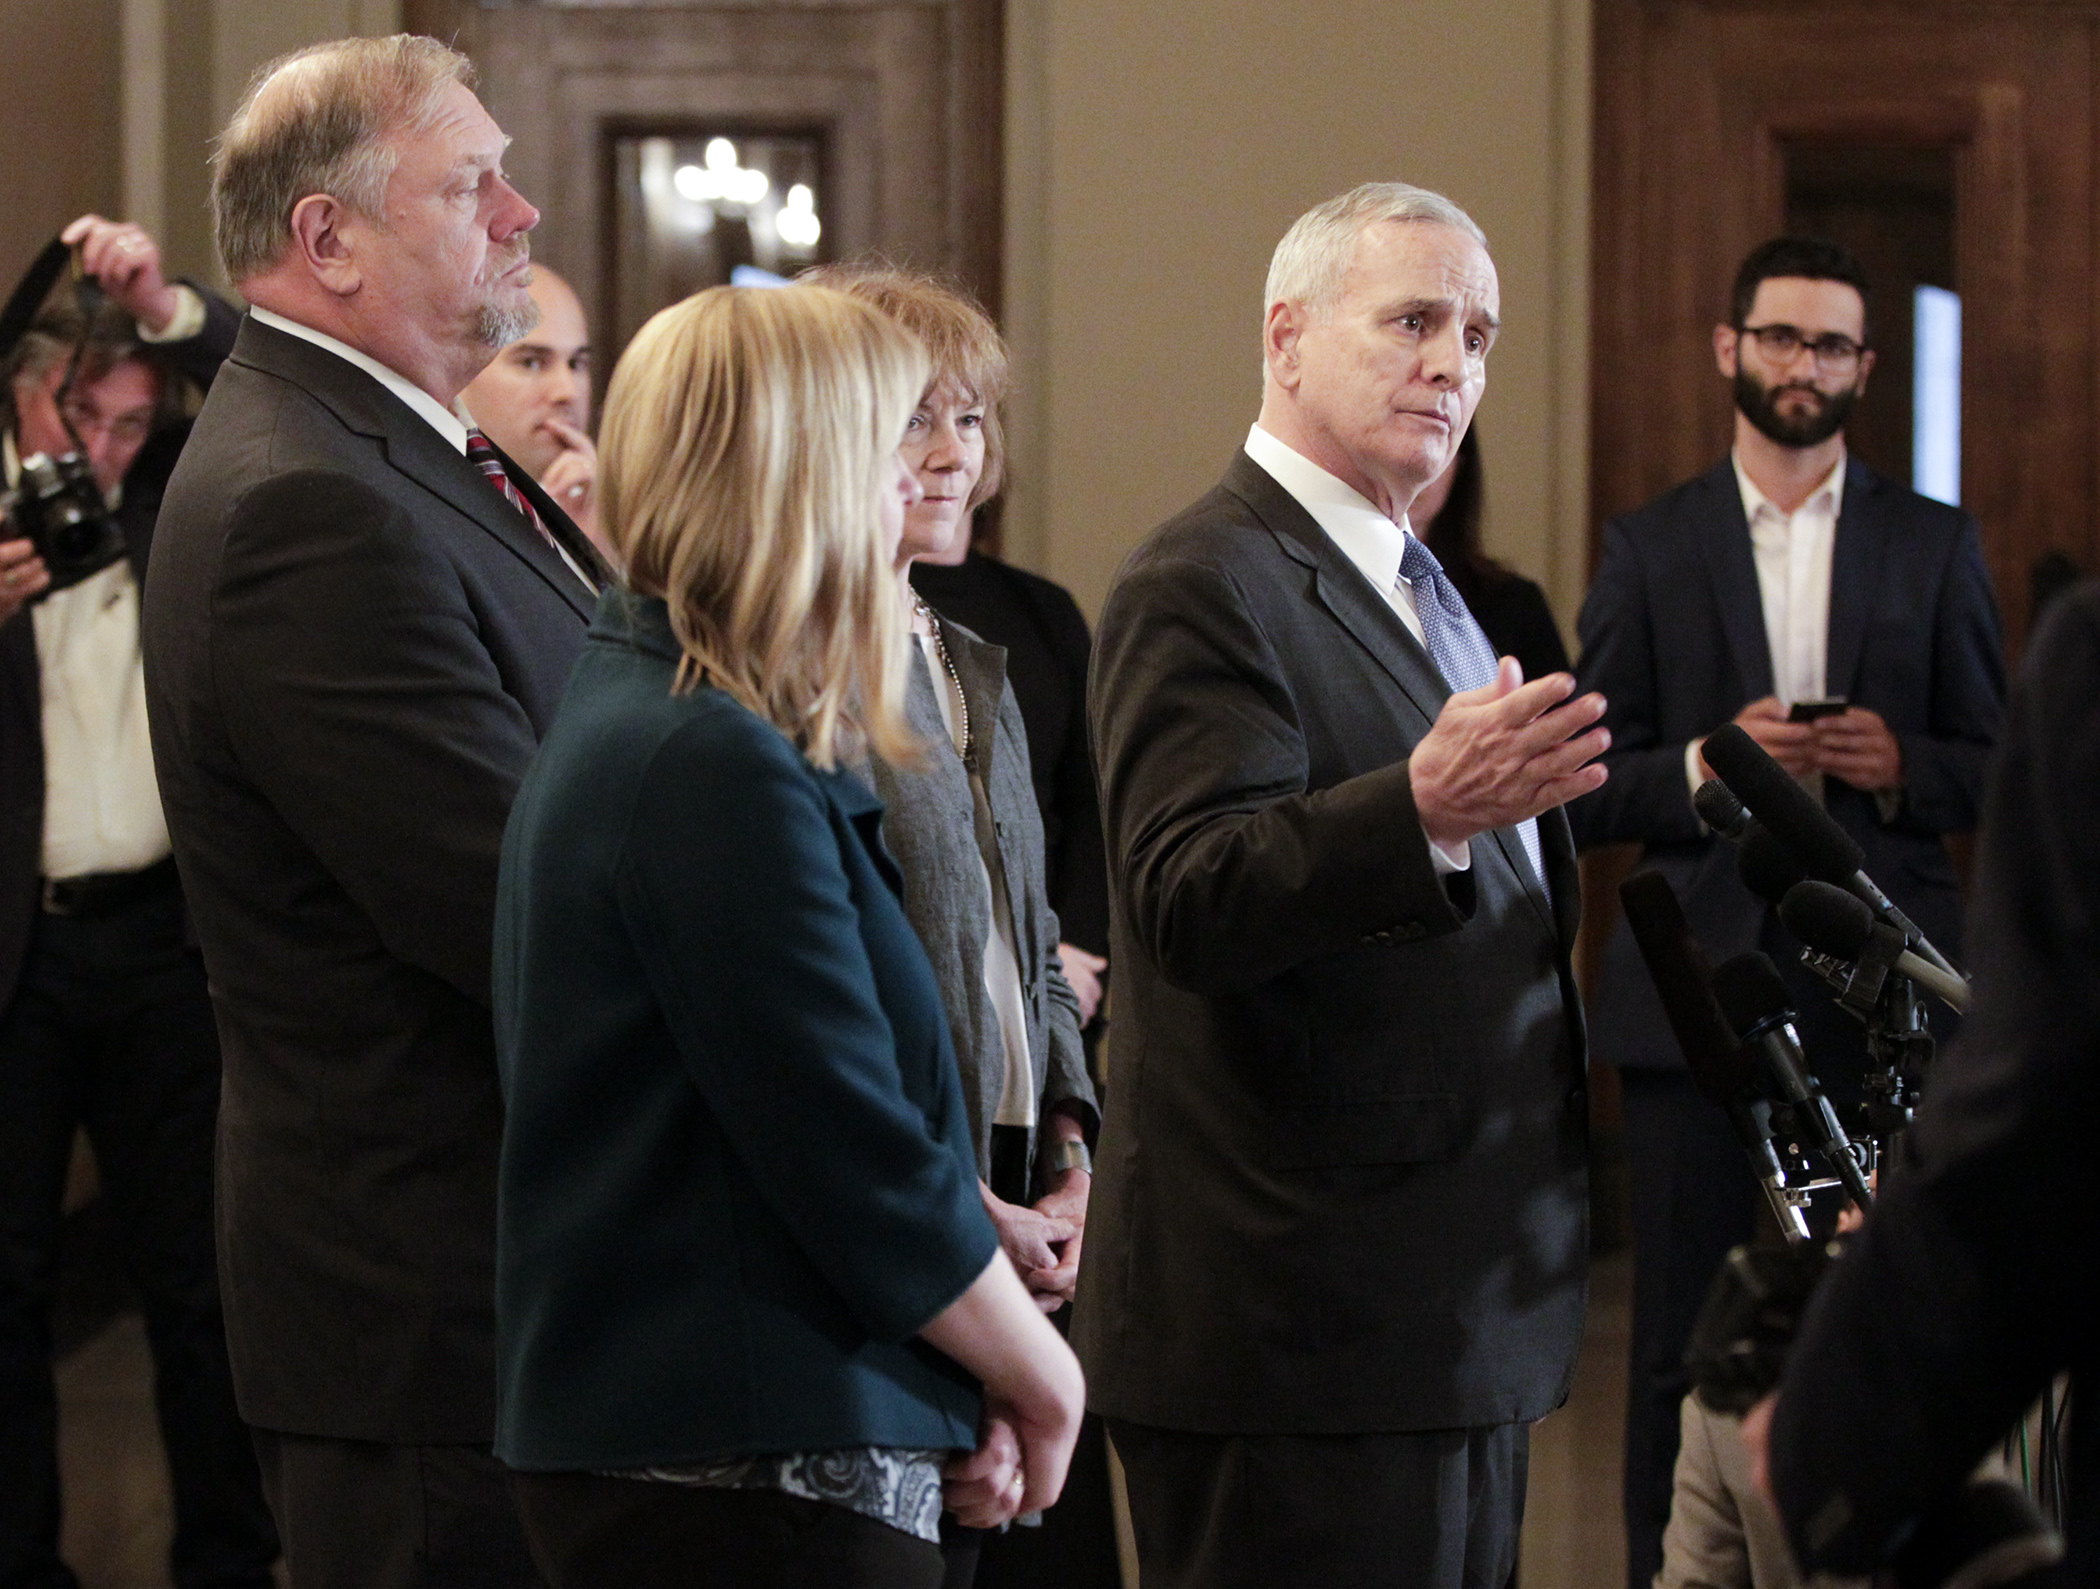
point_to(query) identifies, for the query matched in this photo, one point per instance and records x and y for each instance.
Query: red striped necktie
(483, 456)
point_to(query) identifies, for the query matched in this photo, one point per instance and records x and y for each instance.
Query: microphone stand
(1899, 1041)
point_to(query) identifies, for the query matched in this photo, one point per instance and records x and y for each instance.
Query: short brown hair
(967, 351)
(105, 339)
(749, 433)
(326, 119)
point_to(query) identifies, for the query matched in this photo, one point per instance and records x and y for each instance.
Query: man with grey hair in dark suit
(360, 621)
(1337, 1251)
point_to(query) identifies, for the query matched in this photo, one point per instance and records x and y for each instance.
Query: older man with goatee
(361, 619)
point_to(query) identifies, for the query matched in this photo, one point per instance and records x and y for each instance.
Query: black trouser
(1439, 1509)
(110, 1030)
(593, 1532)
(361, 1514)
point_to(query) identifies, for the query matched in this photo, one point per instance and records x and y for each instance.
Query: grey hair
(1313, 258)
(329, 119)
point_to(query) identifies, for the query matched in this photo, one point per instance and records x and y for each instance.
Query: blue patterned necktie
(1460, 649)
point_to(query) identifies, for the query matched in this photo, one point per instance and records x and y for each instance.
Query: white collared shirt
(1376, 545)
(1793, 579)
(1792, 552)
(101, 803)
(442, 419)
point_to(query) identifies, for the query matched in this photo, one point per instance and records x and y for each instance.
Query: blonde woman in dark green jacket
(746, 1288)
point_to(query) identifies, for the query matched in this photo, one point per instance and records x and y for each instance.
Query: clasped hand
(1855, 744)
(1506, 752)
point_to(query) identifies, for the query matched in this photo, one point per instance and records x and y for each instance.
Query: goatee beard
(1759, 404)
(495, 326)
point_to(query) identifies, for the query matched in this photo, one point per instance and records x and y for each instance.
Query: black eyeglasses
(1834, 352)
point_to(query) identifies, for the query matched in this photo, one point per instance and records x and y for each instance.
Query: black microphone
(1719, 809)
(1723, 1069)
(1754, 999)
(1767, 867)
(1835, 923)
(1794, 816)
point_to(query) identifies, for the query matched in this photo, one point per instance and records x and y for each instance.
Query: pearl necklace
(940, 649)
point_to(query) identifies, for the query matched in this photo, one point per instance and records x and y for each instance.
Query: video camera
(57, 505)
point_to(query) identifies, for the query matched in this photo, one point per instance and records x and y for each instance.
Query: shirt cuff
(1888, 803)
(1692, 777)
(1445, 859)
(188, 319)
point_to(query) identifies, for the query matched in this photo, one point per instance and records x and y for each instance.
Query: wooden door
(1702, 109)
(905, 98)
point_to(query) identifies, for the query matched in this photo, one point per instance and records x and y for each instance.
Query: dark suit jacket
(1977, 1276)
(1047, 647)
(1342, 1178)
(353, 645)
(1673, 633)
(197, 360)
(737, 1176)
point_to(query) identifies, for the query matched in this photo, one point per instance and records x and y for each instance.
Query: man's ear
(320, 237)
(1726, 340)
(1866, 368)
(1281, 328)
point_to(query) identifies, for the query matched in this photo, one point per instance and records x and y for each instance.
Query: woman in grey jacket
(963, 822)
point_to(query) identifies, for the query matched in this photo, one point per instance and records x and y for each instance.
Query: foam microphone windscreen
(1751, 992)
(1719, 809)
(1828, 919)
(1683, 983)
(1767, 867)
(1786, 809)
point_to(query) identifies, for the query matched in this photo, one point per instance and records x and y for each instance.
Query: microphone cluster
(1736, 1025)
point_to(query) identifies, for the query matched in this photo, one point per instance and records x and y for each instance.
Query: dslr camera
(58, 507)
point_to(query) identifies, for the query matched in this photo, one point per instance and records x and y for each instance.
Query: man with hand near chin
(1788, 580)
(534, 402)
(1338, 1241)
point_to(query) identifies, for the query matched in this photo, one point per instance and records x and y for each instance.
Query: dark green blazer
(736, 1175)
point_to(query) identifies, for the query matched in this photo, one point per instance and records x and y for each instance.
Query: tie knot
(478, 445)
(1418, 562)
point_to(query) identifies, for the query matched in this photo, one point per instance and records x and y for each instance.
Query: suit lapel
(411, 446)
(1731, 567)
(1369, 618)
(1856, 560)
(1340, 586)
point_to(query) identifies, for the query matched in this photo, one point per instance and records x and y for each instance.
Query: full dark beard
(1759, 404)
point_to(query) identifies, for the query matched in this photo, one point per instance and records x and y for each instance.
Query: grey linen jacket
(929, 823)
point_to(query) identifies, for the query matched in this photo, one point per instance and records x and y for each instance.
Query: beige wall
(55, 161)
(185, 65)
(1155, 154)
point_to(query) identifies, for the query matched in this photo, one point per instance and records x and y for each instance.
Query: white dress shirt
(101, 803)
(1375, 544)
(1792, 552)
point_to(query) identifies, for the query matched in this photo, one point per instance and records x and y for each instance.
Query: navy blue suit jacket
(1673, 633)
(736, 1175)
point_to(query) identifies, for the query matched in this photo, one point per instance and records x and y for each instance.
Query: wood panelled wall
(1697, 103)
(908, 94)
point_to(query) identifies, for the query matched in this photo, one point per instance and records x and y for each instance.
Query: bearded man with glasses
(1848, 625)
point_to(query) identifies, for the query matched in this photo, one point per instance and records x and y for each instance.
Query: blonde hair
(748, 436)
(967, 351)
(1313, 259)
(330, 119)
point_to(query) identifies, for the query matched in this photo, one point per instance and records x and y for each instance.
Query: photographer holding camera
(105, 1024)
